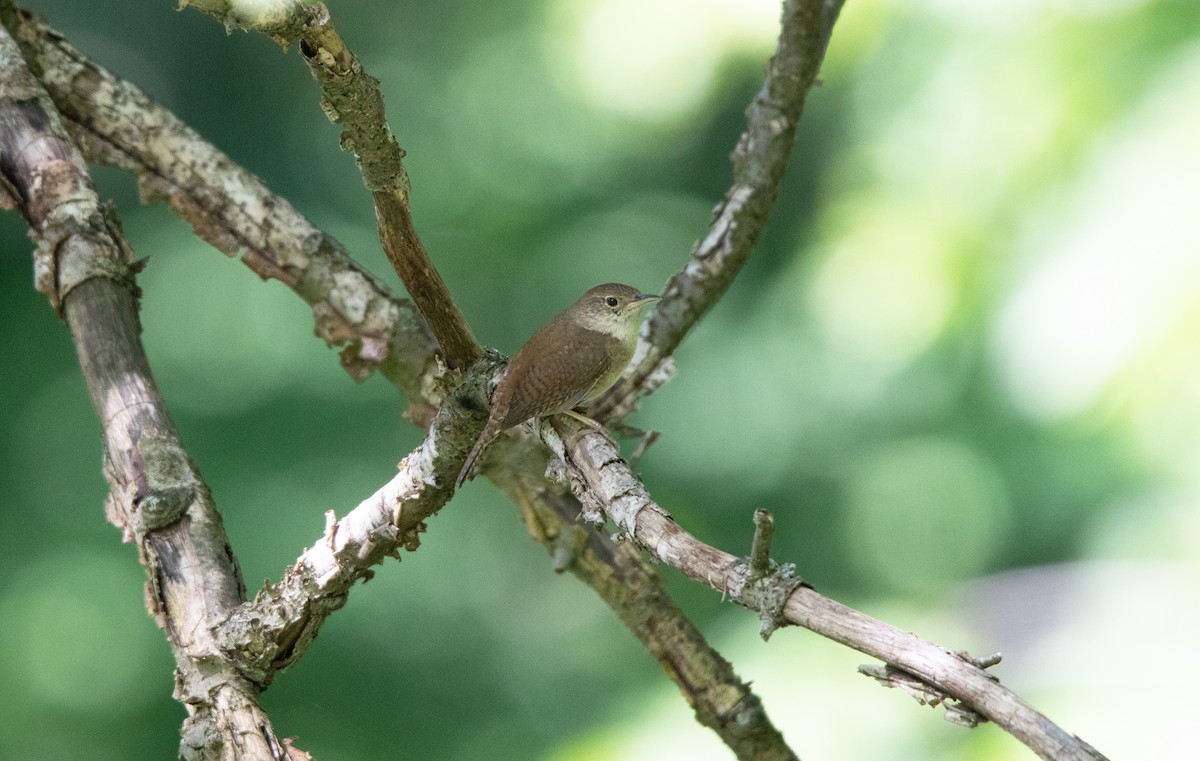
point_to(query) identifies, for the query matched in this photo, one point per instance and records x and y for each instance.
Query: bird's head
(612, 308)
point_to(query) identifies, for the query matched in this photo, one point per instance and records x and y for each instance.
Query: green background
(961, 368)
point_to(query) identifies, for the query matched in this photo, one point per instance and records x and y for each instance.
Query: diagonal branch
(759, 162)
(607, 487)
(635, 592)
(274, 629)
(351, 98)
(157, 498)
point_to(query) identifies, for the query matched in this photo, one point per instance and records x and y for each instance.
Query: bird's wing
(557, 382)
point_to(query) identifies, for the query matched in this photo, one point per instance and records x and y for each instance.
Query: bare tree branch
(607, 487)
(351, 98)
(275, 628)
(157, 498)
(759, 162)
(635, 592)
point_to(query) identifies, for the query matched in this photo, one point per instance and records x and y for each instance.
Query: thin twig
(760, 548)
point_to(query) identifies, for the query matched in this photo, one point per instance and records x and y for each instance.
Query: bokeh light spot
(884, 293)
(84, 642)
(1113, 267)
(221, 340)
(655, 60)
(924, 512)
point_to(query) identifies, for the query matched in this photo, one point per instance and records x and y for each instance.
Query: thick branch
(606, 485)
(275, 628)
(627, 584)
(157, 497)
(351, 98)
(759, 162)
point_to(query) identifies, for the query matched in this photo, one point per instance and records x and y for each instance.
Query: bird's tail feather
(489, 431)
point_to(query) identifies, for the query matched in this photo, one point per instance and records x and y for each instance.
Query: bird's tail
(489, 432)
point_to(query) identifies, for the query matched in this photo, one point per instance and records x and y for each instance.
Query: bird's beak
(642, 300)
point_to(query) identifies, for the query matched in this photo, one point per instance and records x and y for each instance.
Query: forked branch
(351, 98)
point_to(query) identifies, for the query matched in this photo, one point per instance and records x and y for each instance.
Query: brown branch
(157, 498)
(759, 162)
(607, 487)
(351, 98)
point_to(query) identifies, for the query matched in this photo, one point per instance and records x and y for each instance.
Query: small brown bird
(571, 360)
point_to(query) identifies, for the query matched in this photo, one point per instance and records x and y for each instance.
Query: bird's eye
(611, 301)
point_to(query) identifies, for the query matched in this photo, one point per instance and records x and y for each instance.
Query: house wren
(571, 360)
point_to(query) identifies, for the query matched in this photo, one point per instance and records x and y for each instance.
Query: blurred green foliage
(960, 368)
